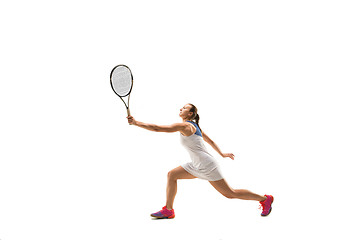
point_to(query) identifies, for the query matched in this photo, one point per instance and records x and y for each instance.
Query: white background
(276, 83)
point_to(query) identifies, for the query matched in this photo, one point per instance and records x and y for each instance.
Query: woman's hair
(195, 115)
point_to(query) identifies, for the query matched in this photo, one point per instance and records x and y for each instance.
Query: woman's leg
(171, 188)
(223, 188)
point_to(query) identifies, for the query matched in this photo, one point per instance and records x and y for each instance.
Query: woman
(203, 165)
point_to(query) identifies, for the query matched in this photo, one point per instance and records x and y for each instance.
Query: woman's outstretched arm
(176, 127)
(216, 147)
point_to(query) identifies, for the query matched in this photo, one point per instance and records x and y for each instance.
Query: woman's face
(185, 112)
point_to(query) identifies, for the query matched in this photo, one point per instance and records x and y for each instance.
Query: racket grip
(128, 112)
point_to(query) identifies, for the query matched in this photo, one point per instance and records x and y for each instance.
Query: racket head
(121, 80)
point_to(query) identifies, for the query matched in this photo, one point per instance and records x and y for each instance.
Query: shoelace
(165, 211)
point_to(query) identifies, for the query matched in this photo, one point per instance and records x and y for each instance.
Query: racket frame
(128, 94)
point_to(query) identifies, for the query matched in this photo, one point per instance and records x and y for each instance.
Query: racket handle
(128, 112)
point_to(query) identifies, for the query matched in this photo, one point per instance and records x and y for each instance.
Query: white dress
(203, 164)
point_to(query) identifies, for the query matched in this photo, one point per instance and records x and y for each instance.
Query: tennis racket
(121, 80)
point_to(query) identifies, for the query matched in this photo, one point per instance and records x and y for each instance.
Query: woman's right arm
(176, 127)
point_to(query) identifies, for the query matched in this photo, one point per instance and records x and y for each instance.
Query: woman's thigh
(179, 173)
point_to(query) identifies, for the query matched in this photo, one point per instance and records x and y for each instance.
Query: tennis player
(203, 165)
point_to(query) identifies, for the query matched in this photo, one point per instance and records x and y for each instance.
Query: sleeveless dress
(203, 164)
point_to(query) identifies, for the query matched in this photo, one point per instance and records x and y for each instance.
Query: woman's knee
(229, 194)
(171, 176)
(222, 187)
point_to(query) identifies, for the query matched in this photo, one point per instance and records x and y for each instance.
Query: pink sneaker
(266, 205)
(164, 213)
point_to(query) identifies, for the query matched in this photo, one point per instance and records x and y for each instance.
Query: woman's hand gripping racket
(121, 81)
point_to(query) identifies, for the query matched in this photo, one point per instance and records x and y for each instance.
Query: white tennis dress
(203, 164)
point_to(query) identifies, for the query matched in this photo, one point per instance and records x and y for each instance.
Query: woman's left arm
(216, 147)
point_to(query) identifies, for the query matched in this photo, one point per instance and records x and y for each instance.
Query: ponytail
(196, 117)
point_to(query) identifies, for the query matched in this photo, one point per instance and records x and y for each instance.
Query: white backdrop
(276, 83)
